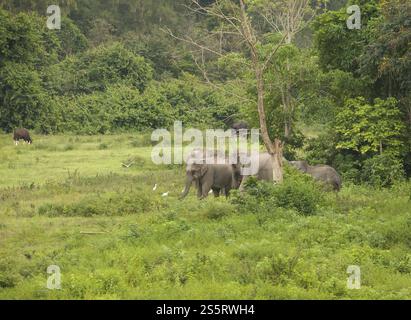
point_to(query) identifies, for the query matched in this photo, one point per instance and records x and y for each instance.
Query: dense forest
(117, 66)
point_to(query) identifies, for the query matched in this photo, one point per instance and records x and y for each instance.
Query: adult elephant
(240, 125)
(207, 177)
(321, 172)
(264, 171)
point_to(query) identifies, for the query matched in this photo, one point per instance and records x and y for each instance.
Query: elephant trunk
(189, 181)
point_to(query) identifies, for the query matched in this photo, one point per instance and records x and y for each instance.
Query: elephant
(320, 172)
(237, 126)
(215, 177)
(265, 168)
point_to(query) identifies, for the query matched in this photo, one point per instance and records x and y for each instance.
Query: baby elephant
(215, 177)
(320, 172)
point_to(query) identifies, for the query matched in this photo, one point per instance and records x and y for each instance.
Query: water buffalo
(22, 134)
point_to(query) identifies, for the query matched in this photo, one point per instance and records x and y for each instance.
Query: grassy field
(67, 201)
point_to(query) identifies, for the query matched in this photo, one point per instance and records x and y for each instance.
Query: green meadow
(68, 201)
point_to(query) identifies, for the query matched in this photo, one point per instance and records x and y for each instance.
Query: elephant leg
(189, 180)
(243, 182)
(227, 191)
(199, 189)
(206, 187)
(216, 192)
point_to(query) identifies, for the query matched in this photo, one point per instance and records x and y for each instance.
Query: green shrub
(349, 167)
(382, 170)
(97, 69)
(298, 192)
(119, 108)
(217, 210)
(108, 205)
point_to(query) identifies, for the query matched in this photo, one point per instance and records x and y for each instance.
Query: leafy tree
(195, 103)
(97, 69)
(24, 38)
(22, 98)
(382, 170)
(291, 79)
(118, 108)
(370, 128)
(387, 57)
(72, 40)
(339, 47)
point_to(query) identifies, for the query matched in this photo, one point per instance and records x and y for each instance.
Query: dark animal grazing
(237, 126)
(320, 172)
(22, 134)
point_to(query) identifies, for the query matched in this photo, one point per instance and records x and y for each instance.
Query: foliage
(72, 40)
(22, 98)
(387, 56)
(116, 238)
(25, 39)
(368, 129)
(298, 192)
(196, 104)
(339, 47)
(97, 69)
(382, 170)
(118, 108)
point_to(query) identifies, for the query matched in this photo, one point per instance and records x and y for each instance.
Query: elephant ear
(203, 170)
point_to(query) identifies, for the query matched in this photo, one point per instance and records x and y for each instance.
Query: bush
(114, 205)
(97, 69)
(298, 192)
(22, 98)
(118, 108)
(217, 210)
(349, 167)
(321, 150)
(382, 170)
(194, 103)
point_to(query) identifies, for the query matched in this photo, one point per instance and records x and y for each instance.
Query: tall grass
(114, 237)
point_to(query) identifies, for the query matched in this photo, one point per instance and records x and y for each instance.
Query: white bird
(165, 194)
(211, 191)
(155, 187)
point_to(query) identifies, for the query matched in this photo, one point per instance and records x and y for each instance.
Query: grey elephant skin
(265, 168)
(216, 176)
(240, 125)
(206, 177)
(320, 172)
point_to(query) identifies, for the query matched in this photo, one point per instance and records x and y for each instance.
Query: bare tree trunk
(275, 150)
(288, 97)
(278, 161)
